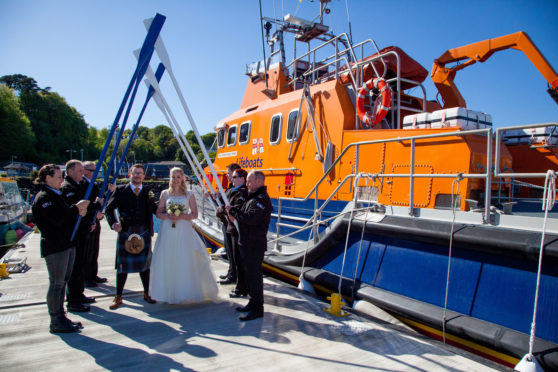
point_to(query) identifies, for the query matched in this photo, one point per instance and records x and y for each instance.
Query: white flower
(177, 213)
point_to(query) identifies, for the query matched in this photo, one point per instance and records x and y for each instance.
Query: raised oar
(180, 141)
(164, 107)
(163, 56)
(150, 91)
(145, 56)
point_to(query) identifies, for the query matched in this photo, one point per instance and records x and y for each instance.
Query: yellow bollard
(3, 272)
(335, 306)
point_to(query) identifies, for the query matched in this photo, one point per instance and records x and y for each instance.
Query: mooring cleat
(335, 306)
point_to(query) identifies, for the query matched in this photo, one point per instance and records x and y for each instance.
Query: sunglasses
(90, 170)
(237, 177)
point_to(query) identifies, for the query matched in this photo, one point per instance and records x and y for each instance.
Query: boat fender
(328, 158)
(381, 108)
(10, 237)
(305, 285)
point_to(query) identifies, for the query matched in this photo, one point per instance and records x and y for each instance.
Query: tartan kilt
(133, 263)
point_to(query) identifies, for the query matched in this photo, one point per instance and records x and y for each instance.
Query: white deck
(294, 333)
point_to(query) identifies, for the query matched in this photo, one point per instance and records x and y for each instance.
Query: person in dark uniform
(72, 192)
(92, 251)
(230, 276)
(56, 219)
(253, 221)
(136, 210)
(237, 195)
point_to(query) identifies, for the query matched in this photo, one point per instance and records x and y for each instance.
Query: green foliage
(39, 126)
(15, 129)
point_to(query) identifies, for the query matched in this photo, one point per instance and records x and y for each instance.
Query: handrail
(487, 176)
(497, 173)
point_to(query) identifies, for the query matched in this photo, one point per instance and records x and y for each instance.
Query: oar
(150, 91)
(182, 141)
(145, 56)
(163, 56)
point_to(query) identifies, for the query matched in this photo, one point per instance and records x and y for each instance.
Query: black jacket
(73, 192)
(133, 210)
(253, 219)
(93, 207)
(55, 219)
(237, 198)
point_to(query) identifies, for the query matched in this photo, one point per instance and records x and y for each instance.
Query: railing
(487, 176)
(354, 71)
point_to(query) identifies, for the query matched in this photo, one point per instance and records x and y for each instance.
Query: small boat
(13, 215)
(420, 207)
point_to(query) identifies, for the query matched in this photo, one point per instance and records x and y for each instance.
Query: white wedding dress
(180, 267)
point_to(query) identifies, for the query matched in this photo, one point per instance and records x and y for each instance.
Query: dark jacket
(253, 219)
(133, 210)
(93, 207)
(55, 219)
(73, 192)
(237, 198)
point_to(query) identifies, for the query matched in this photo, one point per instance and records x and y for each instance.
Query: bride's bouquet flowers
(175, 208)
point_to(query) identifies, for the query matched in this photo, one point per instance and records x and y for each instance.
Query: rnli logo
(257, 146)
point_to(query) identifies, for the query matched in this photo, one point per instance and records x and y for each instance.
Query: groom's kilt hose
(133, 263)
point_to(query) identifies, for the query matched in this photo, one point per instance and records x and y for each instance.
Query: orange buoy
(373, 117)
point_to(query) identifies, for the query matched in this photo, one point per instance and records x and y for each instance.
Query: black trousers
(227, 241)
(252, 259)
(75, 287)
(241, 286)
(92, 255)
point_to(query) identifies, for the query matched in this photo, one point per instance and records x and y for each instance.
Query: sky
(83, 50)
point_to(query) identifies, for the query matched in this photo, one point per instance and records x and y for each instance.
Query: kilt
(133, 263)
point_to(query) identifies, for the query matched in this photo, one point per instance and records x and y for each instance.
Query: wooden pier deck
(294, 334)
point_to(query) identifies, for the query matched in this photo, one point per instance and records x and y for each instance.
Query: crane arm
(443, 77)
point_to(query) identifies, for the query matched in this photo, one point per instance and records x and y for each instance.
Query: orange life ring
(373, 117)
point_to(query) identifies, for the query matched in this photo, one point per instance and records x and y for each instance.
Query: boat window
(292, 130)
(221, 137)
(231, 139)
(275, 129)
(244, 133)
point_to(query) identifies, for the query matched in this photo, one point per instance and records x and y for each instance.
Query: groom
(136, 209)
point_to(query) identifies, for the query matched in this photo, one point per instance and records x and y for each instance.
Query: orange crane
(443, 76)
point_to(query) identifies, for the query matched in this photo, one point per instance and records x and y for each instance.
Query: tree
(15, 129)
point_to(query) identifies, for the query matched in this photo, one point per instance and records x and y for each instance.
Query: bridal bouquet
(175, 208)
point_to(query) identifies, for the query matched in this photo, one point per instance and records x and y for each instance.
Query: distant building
(17, 168)
(161, 169)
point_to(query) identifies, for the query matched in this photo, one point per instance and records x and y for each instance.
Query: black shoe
(224, 276)
(78, 308)
(63, 328)
(235, 294)
(100, 280)
(227, 281)
(87, 300)
(243, 309)
(75, 324)
(251, 316)
(89, 284)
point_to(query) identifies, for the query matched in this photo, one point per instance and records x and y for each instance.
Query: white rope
(364, 225)
(357, 178)
(549, 198)
(453, 209)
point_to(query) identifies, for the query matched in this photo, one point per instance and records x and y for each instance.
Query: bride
(180, 271)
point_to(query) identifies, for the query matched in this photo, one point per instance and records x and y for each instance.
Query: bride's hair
(182, 188)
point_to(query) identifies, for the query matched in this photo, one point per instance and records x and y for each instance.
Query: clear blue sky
(83, 49)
